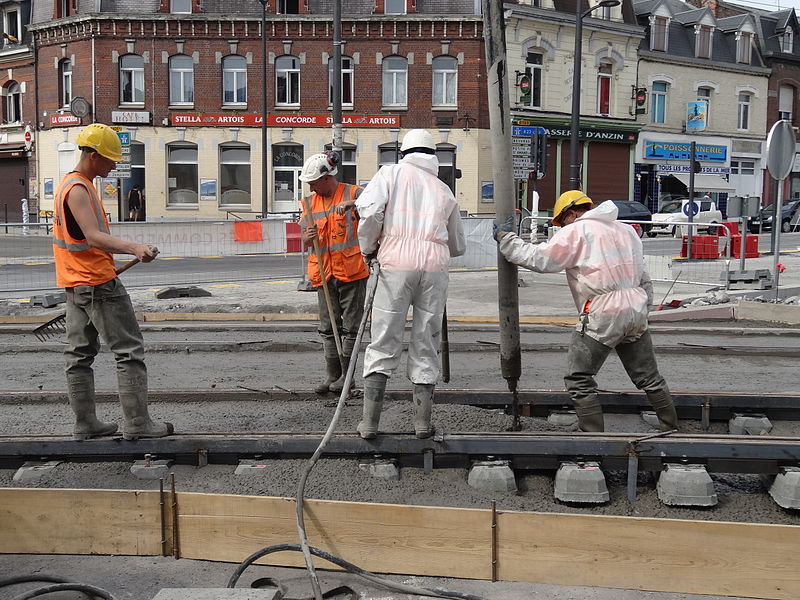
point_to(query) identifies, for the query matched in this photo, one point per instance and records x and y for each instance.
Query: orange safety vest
(337, 237)
(78, 263)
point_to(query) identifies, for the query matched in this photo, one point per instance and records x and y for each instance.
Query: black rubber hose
(37, 578)
(65, 587)
(340, 562)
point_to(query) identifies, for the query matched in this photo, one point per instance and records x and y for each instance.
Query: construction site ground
(205, 353)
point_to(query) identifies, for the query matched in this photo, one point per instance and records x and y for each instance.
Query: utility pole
(336, 78)
(500, 119)
(264, 168)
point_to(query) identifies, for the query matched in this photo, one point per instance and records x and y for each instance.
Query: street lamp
(395, 133)
(264, 205)
(574, 165)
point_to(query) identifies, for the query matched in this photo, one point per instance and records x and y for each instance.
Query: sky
(770, 4)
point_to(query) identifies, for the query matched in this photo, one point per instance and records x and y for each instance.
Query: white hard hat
(417, 138)
(318, 165)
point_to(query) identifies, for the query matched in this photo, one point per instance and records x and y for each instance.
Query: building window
(64, 8)
(743, 167)
(395, 77)
(785, 102)
(604, 13)
(658, 102)
(659, 28)
(445, 81)
(388, 154)
(744, 48)
(446, 153)
(131, 79)
(704, 95)
(180, 7)
(703, 35)
(347, 81)
(234, 80)
(287, 81)
(533, 66)
(288, 7)
(12, 105)
(11, 27)
(347, 165)
(744, 112)
(394, 7)
(181, 80)
(234, 174)
(787, 41)
(65, 82)
(604, 72)
(181, 174)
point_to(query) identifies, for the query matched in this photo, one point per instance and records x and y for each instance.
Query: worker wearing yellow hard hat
(604, 263)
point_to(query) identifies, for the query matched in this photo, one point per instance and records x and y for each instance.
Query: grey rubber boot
(333, 366)
(347, 350)
(374, 389)
(133, 397)
(80, 389)
(665, 409)
(423, 400)
(590, 413)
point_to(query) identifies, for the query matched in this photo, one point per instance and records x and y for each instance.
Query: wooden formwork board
(699, 557)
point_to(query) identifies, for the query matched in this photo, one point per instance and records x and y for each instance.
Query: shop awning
(705, 182)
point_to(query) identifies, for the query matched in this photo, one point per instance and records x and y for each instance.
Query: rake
(58, 325)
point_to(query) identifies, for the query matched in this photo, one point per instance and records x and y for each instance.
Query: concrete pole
(575, 123)
(336, 78)
(500, 121)
(264, 166)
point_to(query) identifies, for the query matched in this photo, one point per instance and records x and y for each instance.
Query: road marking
(222, 285)
(209, 257)
(33, 264)
(171, 258)
(281, 281)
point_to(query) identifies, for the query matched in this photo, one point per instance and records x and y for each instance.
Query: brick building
(183, 78)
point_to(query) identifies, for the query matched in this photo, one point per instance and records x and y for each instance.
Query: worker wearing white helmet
(97, 303)
(410, 220)
(604, 263)
(329, 221)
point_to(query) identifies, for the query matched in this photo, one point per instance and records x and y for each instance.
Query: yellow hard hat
(569, 200)
(102, 139)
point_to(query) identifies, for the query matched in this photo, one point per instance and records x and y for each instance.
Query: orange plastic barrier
(293, 243)
(247, 231)
(750, 246)
(703, 246)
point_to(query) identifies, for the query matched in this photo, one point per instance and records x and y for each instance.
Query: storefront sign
(279, 120)
(682, 151)
(61, 120)
(130, 116)
(696, 115)
(685, 169)
(591, 134)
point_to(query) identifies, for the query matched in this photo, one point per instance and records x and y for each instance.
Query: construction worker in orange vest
(330, 221)
(97, 303)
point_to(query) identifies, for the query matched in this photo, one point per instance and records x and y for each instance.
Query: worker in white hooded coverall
(604, 264)
(410, 219)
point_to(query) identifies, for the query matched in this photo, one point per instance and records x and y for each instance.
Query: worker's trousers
(585, 357)
(103, 311)
(347, 301)
(396, 291)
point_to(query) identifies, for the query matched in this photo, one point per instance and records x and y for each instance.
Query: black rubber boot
(133, 397)
(333, 367)
(80, 389)
(374, 389)
(423, 401)
(665, 409)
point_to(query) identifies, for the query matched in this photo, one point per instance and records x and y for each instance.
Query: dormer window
(11, 27)
(787, 41)
(704, 34)
(180, 7)
(659, 28)
(744, 47)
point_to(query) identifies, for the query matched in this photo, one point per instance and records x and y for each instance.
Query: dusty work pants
(585, 357)
(103, 311)
(396, 291)
(347, 301)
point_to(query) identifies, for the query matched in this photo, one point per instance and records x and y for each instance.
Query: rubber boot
(374, 389)
(133, 397)
(333, 366)
(590, 413)
(423, 400)
(347, 350)
(665, 409)
(80, 389)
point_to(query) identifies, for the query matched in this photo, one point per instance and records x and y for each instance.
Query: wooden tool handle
(130, 263)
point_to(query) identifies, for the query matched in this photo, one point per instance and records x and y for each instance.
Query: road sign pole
(780, 159)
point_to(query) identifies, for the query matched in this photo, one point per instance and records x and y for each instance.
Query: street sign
(692, 207)
(780, 149)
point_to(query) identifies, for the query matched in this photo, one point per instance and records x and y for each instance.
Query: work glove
(502, 230)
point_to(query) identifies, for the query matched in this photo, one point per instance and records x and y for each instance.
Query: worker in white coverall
(410, 220)
(604, 264)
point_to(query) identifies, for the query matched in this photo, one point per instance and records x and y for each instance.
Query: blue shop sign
(682, 151)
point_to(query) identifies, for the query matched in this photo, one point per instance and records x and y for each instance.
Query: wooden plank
(255, 317)
(60, 521)
(382, 538)
(696, 557)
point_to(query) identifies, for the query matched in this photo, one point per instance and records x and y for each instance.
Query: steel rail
(719, 453)
(719, 406)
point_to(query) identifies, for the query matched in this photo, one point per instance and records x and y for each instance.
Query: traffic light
(525, 89)
(640, 98)
(538, 161)
(697, 167)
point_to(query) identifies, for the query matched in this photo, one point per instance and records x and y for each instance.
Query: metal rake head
(52, 328)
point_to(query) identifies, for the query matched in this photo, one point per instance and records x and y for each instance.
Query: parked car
(763, 222)
(630, 210)
(671, 214)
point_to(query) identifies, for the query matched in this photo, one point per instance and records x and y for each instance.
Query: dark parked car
(763, 222)
(630, 210)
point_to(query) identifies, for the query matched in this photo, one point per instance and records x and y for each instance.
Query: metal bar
(736, 453)
(633, 471)
(162, 511)
(494, 541)
(176, 547)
